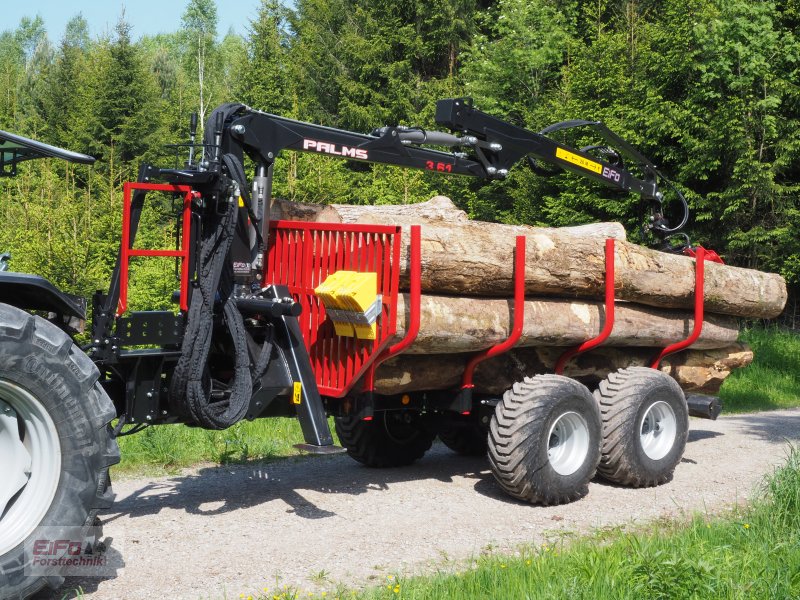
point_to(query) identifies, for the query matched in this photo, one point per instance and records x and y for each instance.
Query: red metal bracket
(415, 293)
(126, 252)
(519, 318)
(710, 255)
(699, 299)
(608, 326)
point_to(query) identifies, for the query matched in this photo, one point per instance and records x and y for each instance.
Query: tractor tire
(544, 440)
(645, 426)
(55, 442)
(464, 434)
(391, 439)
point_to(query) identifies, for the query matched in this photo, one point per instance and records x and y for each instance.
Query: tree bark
(451, 324)
(701, 371)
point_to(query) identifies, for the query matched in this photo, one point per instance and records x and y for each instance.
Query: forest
(707, 89)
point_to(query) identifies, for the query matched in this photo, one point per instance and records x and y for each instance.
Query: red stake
(608, 326)
(519, 317)
(413, 313)
(699, 293)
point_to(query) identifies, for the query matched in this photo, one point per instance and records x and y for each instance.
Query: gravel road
(311, 522)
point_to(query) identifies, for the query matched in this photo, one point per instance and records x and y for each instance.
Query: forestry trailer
(290, 318)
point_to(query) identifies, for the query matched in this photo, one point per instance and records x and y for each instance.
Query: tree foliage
(708, 89)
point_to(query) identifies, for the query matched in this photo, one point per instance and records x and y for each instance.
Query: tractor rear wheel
(390, 439)
(544, 440)
(645, 426)
(55, 443)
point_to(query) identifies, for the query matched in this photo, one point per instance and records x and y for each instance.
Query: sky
(147, 17)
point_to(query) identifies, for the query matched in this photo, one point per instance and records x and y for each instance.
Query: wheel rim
(568, 443)
(28, 481)
(658, 430)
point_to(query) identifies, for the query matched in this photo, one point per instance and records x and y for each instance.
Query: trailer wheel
(55, 442)
(391, 439)
(464, 434)
(645, 426)
(544, 440)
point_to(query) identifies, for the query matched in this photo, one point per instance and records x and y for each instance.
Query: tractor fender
(32, 292)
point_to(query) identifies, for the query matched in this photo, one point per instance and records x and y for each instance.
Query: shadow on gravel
(778, 427)
(218, 490)
(695, 435)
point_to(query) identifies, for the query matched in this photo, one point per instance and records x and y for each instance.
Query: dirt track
(224, 531)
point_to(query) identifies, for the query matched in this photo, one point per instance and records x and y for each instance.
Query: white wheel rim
(568, 443)
(28, 481)
(658, 430)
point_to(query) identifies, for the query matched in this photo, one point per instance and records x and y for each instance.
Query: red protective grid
(301, 256)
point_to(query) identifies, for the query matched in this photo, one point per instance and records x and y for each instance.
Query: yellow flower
(390, 577)
(502, 566)
(249, 598)
(241, 595)
(396, 589)
(324, 594)
(527, 562)
(747, 525)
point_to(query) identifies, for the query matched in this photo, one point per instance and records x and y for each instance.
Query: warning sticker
(297, 393)
(577, 159)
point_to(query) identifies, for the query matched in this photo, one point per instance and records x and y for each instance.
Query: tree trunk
(701, 371)
(439, 209)
(450, 324)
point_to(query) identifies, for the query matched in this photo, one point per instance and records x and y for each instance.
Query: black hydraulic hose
(191, 385)
(684, 203)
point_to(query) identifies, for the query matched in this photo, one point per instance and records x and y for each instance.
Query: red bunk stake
(519, 318)
(608, 326)
(699, 293)
(414, 310)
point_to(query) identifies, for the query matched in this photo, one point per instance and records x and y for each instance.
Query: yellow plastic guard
(353, 296)
(326, 292)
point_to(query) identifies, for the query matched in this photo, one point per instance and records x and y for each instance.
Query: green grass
(772, 381)
(164, 449)
(752, 553)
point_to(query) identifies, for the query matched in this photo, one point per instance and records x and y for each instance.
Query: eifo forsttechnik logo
(71, 551)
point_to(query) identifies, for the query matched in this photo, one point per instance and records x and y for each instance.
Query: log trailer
(292, 319)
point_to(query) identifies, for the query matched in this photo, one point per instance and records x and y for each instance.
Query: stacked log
(467, 283)
(701, 371)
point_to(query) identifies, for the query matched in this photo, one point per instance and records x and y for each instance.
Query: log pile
(467, 280)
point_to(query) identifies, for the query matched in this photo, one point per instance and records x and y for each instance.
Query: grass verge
(752, 553)
(772, 381)
(165, 449)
